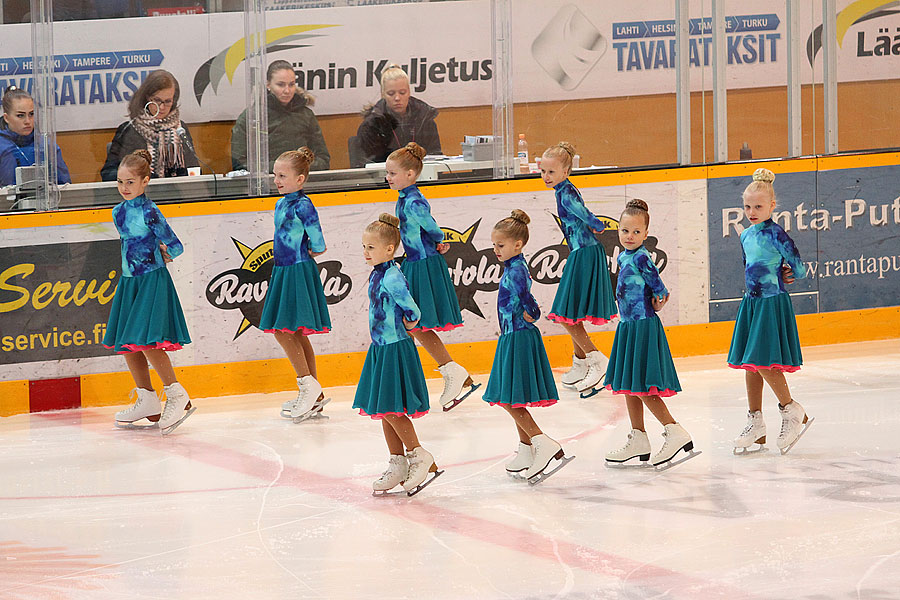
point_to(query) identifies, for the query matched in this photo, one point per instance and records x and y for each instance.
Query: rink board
(58, 272)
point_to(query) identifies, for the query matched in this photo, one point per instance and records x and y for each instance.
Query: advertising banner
(222, 277)
(845, 224)
(562, 50)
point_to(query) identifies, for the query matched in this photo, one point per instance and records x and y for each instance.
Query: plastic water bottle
(522, 154)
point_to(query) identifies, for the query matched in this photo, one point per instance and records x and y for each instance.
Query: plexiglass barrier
(628, 84)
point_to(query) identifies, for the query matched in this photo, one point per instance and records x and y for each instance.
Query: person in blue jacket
(17, 138)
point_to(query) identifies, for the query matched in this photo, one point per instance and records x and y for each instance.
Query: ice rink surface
(239, 503)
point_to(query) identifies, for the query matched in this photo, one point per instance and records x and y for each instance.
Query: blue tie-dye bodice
(577, 220)
(514, 296)
(765, 247)
(389, 303)
(638, 282)
(142, 228)
(297, 230)
(419, 232)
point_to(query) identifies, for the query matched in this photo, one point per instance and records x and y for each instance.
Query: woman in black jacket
(154, 125)
(396, 120)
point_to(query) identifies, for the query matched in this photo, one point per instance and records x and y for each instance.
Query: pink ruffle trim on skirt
(447, 327)
(589, 319)
(303, 330)
(539, 403)
(130, 348)
(399, 414)
(654, 391)
(755, 368)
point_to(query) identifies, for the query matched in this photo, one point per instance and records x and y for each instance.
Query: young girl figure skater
(765, 342)
(392, 386)
(585, 292)
(640, 366)
(426, 271)
(295, 305)
(521, 376)
(146, 319)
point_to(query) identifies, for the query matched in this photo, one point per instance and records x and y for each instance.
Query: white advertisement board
(222, 275)
(561, 51)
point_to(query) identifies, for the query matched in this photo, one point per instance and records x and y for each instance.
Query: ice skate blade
(454, 403)
(672, 462)
(590, 393)
(314, 413)
(544, 473)
(750, 450)
(642, 463)
(424, 484)
(391, 492)
(134, 426)
(802, 431)
(171, 428)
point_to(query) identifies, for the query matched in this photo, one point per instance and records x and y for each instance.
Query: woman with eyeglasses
(292, 124)
(17, 137)
(154, 125)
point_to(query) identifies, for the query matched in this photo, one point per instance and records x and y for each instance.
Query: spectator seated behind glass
(396, 120)
(17, 138)
(291, 122)
(154, 125)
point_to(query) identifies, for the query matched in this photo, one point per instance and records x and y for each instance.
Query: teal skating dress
(424, 267)
(765, 331)
(392, 381)
(145, 313)
(295, 298)
(640, 363)
(520, 375)
(585, 291)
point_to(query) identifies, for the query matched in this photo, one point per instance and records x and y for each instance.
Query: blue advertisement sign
(845, 223)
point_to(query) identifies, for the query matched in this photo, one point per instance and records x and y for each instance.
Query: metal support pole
(795, 123)
(829, 72)
(682, 81)
(720, 91)
(502, 95)
(257, 105)
(43, 63)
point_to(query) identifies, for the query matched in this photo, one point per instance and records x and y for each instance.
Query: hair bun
(763, 175)
(569, 148)
(390, 219)
(143, 153)
(520, 215)
(638, 204)
(306, 154)
(416, 150)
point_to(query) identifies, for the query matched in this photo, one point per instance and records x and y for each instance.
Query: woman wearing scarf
(154, 125)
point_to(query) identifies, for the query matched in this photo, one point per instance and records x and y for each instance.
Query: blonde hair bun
(764, 175)
(389, 219)
(638, 204)
(520, 215)
(569, 148)
(143, 153)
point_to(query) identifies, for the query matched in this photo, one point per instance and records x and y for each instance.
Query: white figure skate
(309, 391)
(576, 373)
(593, 379)
(422, 471)
(637, 447)
(794, 423)
(546, 450)
(396, 473)
(178, 408)
(146, 406)
(316, 411)
(522, 461)
(753, 437)
(676, 439)
(457, 385)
